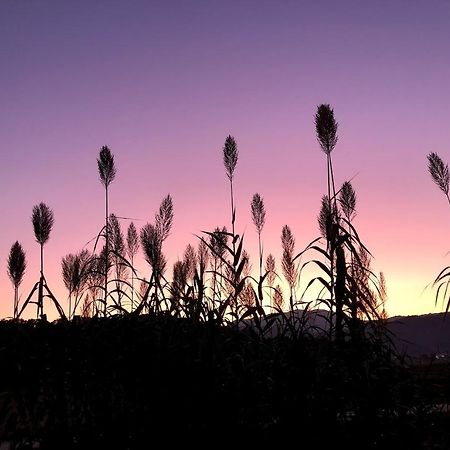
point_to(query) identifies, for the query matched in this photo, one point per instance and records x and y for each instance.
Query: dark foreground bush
(128, 382)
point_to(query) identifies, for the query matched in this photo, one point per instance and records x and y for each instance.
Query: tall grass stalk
(132, 249)
(43, 220)
(107, 172)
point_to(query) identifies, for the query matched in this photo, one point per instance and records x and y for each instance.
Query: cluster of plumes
(184, 271)
(78, 273)
(234, 270)
(76, 269)
(329, 214)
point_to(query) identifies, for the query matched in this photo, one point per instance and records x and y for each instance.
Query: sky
(163, 84)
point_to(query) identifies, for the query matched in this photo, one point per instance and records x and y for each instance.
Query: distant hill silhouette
(423, 335)
(417, 336)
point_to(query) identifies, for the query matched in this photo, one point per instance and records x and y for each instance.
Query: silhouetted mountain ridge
(417, 336)
(422, 335)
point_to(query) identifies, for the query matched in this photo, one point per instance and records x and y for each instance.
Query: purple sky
(163, 83)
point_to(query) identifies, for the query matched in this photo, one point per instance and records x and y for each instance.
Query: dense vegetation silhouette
(216, 349)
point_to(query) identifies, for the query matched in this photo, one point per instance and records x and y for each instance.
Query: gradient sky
(163, 83)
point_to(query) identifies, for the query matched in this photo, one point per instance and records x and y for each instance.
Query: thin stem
(16, 301)
(234, 246)
(107, 248)
(42, 260)
(260, 255)
(232, 211)
(332, 184)
(132, 283)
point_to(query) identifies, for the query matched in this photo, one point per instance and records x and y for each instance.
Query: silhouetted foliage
(208, 358)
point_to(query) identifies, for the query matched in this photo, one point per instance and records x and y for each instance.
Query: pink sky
(163, 85)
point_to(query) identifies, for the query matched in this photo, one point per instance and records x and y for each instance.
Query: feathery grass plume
(439, 173)
(190, 261)
(326, 219)
(117, 237)
(247, 297)
(347, 199)
(179, 281)
(96, 276)
(17, 265)
(247, 268)
(218, 242)
(43, 221)
(203, 256)
(132, 249)
(132, 241)
(270, 269)
(287, 262)
(258, 212)
(70, 272)
(326, 128)
(361, 273)
(75, 272)
(230, 156)
(278, 300)
(382, 297)
(164, 218)
(151, 245)
(106, 166)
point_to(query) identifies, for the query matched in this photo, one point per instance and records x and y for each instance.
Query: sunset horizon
(225, 220)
